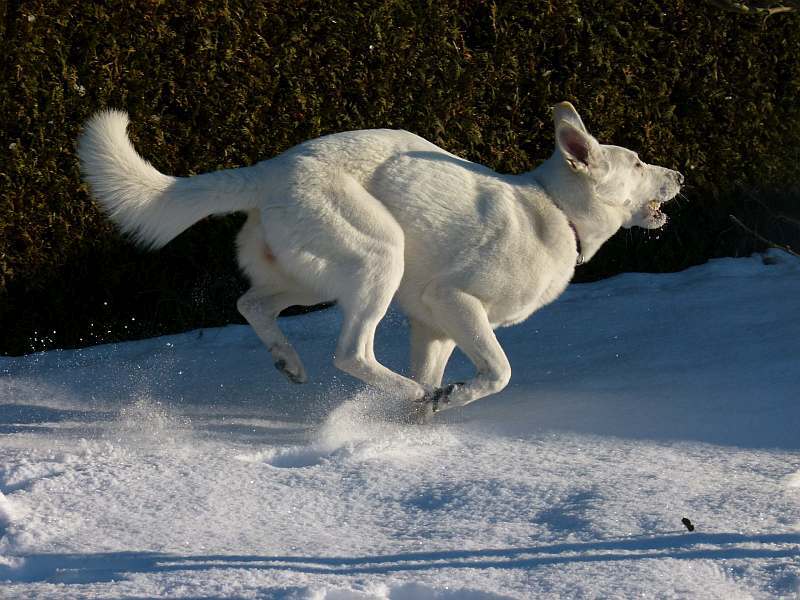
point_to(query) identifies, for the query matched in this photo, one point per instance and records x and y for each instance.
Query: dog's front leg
(463, 318)
(430, 351)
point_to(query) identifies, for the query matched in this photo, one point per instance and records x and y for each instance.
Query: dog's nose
(679, 178)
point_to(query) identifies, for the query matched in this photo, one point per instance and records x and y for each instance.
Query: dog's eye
(639, 165)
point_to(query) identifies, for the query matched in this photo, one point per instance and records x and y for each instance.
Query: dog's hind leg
(271, 292)
(331, 235)
(430, 351)
(261, 307)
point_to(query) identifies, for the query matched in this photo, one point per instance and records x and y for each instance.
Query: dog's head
(608, 185)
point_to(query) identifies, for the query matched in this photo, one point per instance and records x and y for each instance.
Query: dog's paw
(288, 363)
(434, 401)
(300, 377)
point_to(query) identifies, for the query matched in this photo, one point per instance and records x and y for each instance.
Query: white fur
(363, 217)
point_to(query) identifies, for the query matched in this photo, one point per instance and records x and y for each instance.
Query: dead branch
(765, 8)
(771, 211)
(761, 238)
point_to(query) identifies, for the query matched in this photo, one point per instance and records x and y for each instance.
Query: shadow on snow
(102, 567)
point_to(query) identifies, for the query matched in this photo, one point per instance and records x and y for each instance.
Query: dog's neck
(581, 258)
(589, 236)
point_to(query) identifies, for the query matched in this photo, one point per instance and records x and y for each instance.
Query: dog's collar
(580, 258)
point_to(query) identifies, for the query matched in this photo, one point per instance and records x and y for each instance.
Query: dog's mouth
(656, 214)
(651, 216)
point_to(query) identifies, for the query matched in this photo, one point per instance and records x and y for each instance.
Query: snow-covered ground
(185, 466)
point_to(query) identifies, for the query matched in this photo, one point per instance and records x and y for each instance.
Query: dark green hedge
(215, 84)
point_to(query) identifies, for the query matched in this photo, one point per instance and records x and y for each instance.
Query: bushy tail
(151, 206)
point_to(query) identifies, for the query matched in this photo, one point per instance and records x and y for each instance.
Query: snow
(185, 467)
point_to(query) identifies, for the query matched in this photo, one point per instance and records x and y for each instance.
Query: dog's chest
(525, 292)
(529, 266)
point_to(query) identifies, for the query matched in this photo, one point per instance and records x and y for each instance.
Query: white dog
(363, 217)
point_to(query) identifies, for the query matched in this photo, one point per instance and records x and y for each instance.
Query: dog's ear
(578, 148)
(564, 111)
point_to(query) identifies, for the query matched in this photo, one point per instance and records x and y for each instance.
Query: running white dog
(362, 217)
